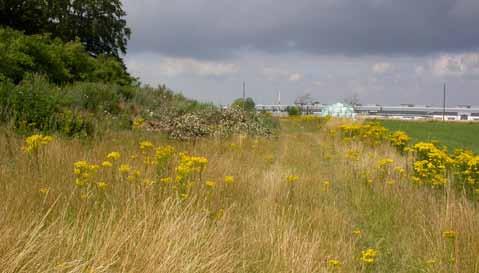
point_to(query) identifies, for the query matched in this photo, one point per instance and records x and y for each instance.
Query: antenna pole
(444, 104)
(244, 95)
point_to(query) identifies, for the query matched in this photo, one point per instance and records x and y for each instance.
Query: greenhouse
(339, 110)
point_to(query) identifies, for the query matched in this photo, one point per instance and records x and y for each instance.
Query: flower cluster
(189, 167)
(138, 123)
(113, 156)
(84, 172)
(34, 142)
(163, 155)
(146, 146)
(466, 166)
(371, 133)
(369, 255)
(385, 170)
(399, 140)
(431, 164)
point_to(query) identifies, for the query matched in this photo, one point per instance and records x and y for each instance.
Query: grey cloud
(221, 28)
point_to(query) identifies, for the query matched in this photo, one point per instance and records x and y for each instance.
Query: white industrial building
(420, 112)
(404, 111)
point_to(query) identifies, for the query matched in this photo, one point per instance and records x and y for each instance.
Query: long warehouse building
(405, 111)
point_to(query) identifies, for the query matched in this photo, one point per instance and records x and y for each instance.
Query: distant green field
(453, 135)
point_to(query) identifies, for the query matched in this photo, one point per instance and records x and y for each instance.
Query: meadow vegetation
(322, 195)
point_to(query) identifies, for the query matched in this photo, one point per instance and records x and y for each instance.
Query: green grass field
(453, 135)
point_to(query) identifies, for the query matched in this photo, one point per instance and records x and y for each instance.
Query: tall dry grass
(260, 223)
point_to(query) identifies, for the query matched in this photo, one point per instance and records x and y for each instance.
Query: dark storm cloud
(218, 28)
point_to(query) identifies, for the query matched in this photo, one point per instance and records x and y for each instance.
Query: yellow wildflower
(369, 255)
(384, 163)
(166, 180)
(229, 179)
(84, 172)
(146, 145)
(34, 142)
(102, 185)
(106, 164)
(113, 156)
(138, 123)
(133, 175)
(450, 234)
(292, 179)
(148, 182)
(400, 139)
(357, 232)
(124, 168)
(334, 263)
(400, 171)
(210, 184)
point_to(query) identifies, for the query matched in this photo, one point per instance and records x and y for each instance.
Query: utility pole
(244, 95)
(444, 104)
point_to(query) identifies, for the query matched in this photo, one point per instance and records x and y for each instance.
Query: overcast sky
(383, 51)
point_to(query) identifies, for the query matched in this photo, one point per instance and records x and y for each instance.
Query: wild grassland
(305, 201)
(452, 134)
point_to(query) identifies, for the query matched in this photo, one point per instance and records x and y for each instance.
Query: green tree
(61, 62)
(99, 24)
(293, 111)
(247, 105)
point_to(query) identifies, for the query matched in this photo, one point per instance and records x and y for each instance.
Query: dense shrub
(293, 111)
(222, 123)
(60, 62)
(94, 97)
(33, 103)
(37, 105)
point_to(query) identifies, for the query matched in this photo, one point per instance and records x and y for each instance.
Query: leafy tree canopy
(61, 62)
(247, 105)
(99, 24)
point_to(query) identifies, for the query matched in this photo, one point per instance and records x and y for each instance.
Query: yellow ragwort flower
(102, 185)
(449, 234)
(107, 164)
(166, 180)
(357, 232)
(148, 182)
(292, 179)
(210, 184)
(334, 263)
(138, 123)
(124, 168)
(229, 179)
(113, 156)
(369, 255)
(34, 142)
(146, 145)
